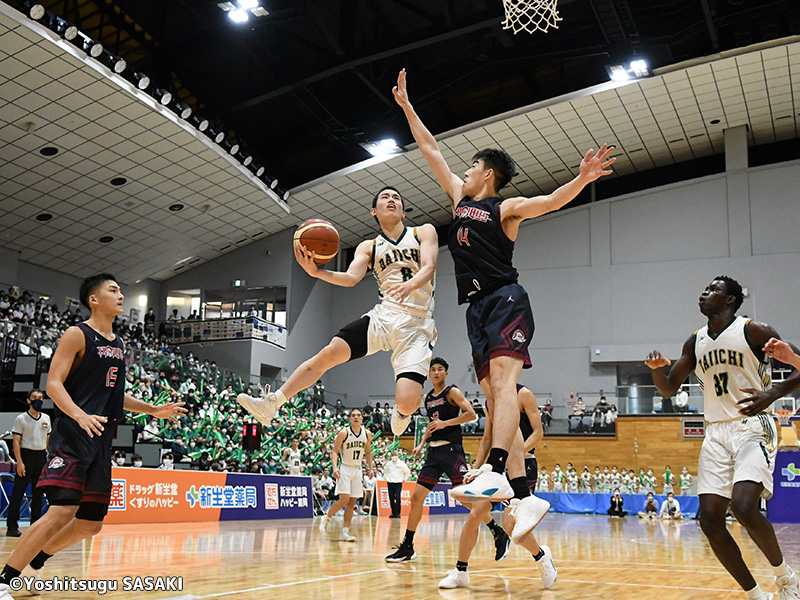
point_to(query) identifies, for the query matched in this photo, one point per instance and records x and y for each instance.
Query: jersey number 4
(463, 236)
(721, 384)
(111, 377)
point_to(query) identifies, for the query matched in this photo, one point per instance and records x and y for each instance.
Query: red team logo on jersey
(56, 463)
(518, 336)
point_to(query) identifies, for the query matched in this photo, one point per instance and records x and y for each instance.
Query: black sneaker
(502, 543)
(13, 533)
(404, 553)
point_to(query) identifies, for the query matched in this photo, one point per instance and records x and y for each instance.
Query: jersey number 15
(111, 377)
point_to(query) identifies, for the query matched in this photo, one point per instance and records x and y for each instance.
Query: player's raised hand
(400, 91)
(91, 424)
(170, 411)
(655, 360)
(596, 164)
(757, 401)
(779, 350)
(305, 259)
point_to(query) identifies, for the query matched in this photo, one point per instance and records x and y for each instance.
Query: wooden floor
(597, 557)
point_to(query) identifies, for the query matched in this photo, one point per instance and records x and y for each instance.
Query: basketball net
(531, 15)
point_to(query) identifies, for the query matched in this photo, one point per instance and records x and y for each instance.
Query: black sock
(520, 487)
(461, 566)
(41, 558)
(494, 528)
(497, 458)
(409, 539)
(8, 574)
(538, 556)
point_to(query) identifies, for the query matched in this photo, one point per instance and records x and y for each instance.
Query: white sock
(755, 594)
(345, 530)
(282, 399)
(782, 570)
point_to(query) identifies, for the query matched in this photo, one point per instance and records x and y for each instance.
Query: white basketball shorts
(410, 338)
(733, 451)
(350, 482)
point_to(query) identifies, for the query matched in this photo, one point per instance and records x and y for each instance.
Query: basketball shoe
(455, 579)
(262, 408)
(488, 485)
(29, 571)
(527, 513)
(547, 569)
(5, 592)
(323, 525)
(788, 586)
(502, 543)
(345, 536)
(399, 422)
(404, 553)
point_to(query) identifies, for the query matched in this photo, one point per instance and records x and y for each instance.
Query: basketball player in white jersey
(353, 444)
(403, 261)
(290, 459)
(738, 454)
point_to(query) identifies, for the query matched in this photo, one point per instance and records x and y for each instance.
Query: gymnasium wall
(618, 277)
(36, 279)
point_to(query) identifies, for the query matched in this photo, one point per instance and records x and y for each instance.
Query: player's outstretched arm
(428, 257)
(668, 385)
(450, 182)
(527, 402)
(782, 351)
(593, 166)
(355, 272)
(758, 401)
(169, 411)
(69, 346)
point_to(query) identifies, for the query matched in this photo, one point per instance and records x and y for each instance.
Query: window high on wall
(268, 303)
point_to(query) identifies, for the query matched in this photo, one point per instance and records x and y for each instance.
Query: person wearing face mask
(616, 478)
(586, 481)
(685, 482)
(167, 461)
(119, 459)
(543, 484)
(31, 433)
(650, 482)
(598, 481)
(669, 481)
(606, 481)
(137, 461)
(559, 477)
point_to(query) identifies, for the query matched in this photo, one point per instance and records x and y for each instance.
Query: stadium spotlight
(215, 135)
(231, 147)
(181, 109)
(243, 158)
(115, 63)
(200, 122)
(286, 195)
(238, 16)
(256, 169)
(88, 45)
(35, 10)
(63, 28)
(162, 95)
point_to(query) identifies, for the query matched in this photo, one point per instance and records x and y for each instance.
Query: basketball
(319, 236)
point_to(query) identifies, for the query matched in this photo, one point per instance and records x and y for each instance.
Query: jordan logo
(510, 299)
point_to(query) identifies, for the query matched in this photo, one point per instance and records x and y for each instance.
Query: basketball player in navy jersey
(447, 409)
(403, 261)
(87, 384)
(499, 318)
(530, 434)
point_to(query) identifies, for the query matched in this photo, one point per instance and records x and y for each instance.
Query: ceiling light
(42, 217)
(243, 158)
(199, 122)
(248, 4)
(257, 169)
(176, 207)
(162, 96)
(48, 151)
(65, 29)
(115, 63)
(639, 66)
(92, 48)
(238, 16)
(259, 11)
(215, 135)
(106, 239)
(140, 80)
(286, 195)
(231, 147)
(226, 6)
(181, 109)
(35, 10)
(617, 73)
(383, 147)
(117, 181)
(272, 183)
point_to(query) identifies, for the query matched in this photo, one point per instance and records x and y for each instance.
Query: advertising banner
(438, 501)
(165, 496)
(782, 507)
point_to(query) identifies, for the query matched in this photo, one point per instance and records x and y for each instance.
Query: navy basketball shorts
(531, 472)
(500, 324)
(79, 467)
(449, 459)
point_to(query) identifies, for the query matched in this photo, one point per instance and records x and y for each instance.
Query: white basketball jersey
(396, 262)
(354, 447)
(725, 364)
(294, 461)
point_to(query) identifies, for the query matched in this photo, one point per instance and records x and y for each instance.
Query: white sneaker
(547, 569)
(5, 592)
(323, 525)
(487, 486)
(399, 422)
(345, 536)
(262, 408)
(29, 571)
(788, 587)
(527, 513)
(455, 579)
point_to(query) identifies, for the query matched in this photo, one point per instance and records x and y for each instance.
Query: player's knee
(712, 525)
(746, 510)
(335, 353)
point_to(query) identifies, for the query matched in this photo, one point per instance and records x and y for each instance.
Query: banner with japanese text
(438, 501)
(167, 496)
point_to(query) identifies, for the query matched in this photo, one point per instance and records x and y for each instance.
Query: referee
(31, 434)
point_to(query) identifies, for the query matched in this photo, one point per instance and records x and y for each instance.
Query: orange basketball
(318, 236)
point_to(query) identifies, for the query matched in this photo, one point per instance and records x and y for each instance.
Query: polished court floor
(597, 557)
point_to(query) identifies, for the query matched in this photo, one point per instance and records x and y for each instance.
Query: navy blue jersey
(481, 251)
(438, 406)
(97, 384)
